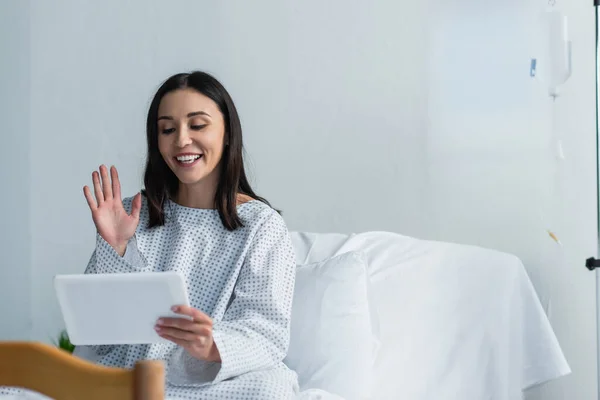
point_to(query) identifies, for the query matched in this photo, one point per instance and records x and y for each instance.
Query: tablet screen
(102, 309)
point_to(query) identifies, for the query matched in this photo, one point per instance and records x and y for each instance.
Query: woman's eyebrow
(190, 115)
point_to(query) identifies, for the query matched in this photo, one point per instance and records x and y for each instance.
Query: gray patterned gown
(243, 280)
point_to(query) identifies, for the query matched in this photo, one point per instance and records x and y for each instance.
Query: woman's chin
(192, 176)
(190, 180)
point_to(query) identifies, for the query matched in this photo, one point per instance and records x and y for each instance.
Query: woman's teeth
(188, 159)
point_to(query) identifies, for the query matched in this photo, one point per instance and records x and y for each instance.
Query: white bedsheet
(456, 322)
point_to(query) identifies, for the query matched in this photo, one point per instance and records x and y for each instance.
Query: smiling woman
(188, 139)
(199, 216)
(194, 137)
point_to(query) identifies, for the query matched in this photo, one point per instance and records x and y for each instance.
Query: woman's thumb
(136, 206)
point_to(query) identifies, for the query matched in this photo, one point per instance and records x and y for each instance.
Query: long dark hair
(161, 183)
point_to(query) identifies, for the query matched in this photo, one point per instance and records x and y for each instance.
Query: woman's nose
(183, 137)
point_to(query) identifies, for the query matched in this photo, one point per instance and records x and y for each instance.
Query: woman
(199, 216)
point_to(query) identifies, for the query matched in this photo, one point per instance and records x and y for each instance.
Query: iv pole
(592, 263)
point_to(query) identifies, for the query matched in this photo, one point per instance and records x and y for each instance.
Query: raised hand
(112, 221)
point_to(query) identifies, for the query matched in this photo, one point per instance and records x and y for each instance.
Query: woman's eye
(197, 127)
(167, 131)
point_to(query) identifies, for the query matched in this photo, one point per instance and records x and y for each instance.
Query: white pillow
(332, 342)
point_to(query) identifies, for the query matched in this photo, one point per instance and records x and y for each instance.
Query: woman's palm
(112, 221)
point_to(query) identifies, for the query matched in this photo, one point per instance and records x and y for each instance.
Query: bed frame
(62, 376)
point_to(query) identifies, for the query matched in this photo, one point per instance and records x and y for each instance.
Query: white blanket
(457, 322)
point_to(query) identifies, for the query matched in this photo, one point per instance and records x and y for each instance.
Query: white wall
(345, 148)
(414, 117)
(15, 169)
(492, 165)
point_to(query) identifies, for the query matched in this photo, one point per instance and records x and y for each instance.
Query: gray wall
(410, 116)
(15, 171)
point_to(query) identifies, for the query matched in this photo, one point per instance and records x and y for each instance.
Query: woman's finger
(116, 185)
(186, 325)
(182, 335)
(179, 323)
(179, 342)
(97, 188)
(90, 199)
(196, 315)
(106, 186)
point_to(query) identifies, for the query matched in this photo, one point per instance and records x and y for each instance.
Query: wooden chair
(62, 376)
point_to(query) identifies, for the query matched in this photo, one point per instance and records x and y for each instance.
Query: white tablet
(102, 309)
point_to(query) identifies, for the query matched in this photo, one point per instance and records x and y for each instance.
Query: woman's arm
(254, 333)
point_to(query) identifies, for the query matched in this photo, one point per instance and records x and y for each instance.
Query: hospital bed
(379, 315)
(454, 322)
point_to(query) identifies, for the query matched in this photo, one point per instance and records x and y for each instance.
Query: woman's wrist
(120, 248)
(214, 355)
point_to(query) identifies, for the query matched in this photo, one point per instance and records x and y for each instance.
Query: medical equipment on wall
(551, 64)
(551, 68)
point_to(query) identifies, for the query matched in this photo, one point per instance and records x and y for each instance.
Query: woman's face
(191, 134)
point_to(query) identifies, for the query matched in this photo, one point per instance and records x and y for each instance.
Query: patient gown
(242, 279)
